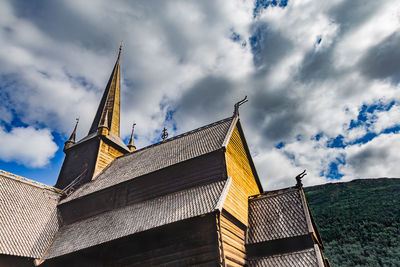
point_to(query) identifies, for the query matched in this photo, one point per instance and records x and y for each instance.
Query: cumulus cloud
(27, 146)
(377, 158)
(308, 69)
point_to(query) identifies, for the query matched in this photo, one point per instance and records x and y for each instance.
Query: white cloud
(27, 146)
(306, 76)
(386, 119)
(377, 158)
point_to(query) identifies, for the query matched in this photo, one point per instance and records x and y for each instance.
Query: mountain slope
(359, 221)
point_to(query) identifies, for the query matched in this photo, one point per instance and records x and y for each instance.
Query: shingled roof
(305, 258)
(281, 231)
(136, 218)
(277, 214)
(28, 216)
(160, 155)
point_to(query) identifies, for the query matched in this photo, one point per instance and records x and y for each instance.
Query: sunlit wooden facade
(188, 200)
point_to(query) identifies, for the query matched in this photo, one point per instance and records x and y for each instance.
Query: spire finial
(298, 179)
(71, 139)
(120, 49)
(238, 104)
(164, 134)
(131, 144)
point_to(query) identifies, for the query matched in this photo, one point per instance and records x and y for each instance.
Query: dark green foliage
(359, 221)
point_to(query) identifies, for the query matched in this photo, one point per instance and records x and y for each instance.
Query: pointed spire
(71, 140)
(131, 144)
(110, 102)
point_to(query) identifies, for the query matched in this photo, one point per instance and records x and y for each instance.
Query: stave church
(190, 200)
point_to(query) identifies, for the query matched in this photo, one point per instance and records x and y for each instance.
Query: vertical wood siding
(105, 156)
(243, 181)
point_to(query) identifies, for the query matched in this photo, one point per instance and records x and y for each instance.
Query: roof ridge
(181, 135)
(273, 193)
(28, 181)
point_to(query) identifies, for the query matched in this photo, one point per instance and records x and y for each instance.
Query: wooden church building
(193, 199)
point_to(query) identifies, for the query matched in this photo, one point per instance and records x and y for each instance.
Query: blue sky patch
(367, 111)
(235, 37)
(336, 142)
(259, 5)
(47, 174)
(333, 169)
(280, 145)
(365, 118)
(317, 137)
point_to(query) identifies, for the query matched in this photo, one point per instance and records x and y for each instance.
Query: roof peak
(109, 106)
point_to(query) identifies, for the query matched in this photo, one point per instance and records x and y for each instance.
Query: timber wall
(233, 240)
(106, 155)
(243, 181)
(201, 170)
(77, 159)
(185, 243)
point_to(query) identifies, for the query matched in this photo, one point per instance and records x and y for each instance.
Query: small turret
(103, 128)
(71, 141)
(131, 144)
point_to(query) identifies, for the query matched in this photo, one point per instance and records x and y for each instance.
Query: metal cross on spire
(164, 134)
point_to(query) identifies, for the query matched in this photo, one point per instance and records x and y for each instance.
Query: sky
(322, 79)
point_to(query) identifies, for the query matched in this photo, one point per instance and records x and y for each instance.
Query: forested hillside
(359, 221)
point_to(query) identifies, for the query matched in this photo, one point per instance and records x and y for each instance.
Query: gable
(240, 168)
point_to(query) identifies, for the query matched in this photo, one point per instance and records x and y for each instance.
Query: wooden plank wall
(186, 243)
(106, 155)
(243, 182)
(233, 239)
(77, 159)
(201, 170)
(191, 242)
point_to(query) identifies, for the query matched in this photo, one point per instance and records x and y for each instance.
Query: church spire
(71, 140)
(131, 144)
(110, 102)
(85, 159)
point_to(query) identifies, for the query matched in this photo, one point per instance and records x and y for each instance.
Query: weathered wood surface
(15, 261)
(233, 237)
(106, 155)
(194, 172)
(243, 180)
(78, 158)
(185, 243)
